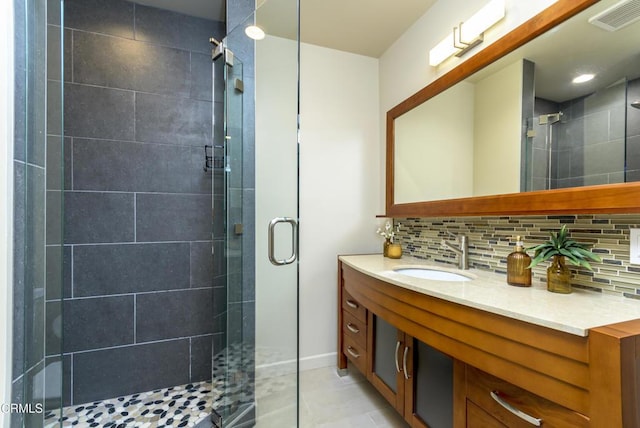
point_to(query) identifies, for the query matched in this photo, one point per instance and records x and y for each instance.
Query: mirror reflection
(523, 123)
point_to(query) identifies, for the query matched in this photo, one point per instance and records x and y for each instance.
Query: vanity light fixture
(468, 34)
(583, 78)
(254, 32)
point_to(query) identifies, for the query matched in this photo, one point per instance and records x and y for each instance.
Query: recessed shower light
(583, 78)
(254, 32)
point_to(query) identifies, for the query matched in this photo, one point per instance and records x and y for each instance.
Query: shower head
(635, 104)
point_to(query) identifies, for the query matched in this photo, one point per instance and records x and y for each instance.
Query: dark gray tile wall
(140, 297)
(633, 132)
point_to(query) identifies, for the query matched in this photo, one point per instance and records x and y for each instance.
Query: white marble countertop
(573, 313)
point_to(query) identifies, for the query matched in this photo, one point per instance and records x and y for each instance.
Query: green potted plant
(559, 247)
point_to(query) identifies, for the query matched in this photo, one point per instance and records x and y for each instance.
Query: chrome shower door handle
(294, 241)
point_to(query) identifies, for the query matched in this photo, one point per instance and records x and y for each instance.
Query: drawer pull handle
(397, 349)
(519, 413)
(352, 304)
(352, 328)
(404, 362)
(353, 353)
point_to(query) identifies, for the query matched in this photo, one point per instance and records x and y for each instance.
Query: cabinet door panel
(431, 399)
(385, 343)
(385, 357)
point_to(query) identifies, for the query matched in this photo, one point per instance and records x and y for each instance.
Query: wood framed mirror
(608, 198)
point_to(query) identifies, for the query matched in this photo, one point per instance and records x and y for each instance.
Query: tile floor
(326, 401)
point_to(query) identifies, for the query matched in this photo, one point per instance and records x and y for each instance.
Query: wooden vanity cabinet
(564, 379)
(489, 401)
(416, 379)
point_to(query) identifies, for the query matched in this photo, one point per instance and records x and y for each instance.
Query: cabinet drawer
(355, 353)
(480, 387)
(355, 329)
(352, 306)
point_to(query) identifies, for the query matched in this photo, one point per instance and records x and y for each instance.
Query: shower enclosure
(178, 176)
(585, 141)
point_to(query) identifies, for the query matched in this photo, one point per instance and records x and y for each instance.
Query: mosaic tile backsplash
(491, 239)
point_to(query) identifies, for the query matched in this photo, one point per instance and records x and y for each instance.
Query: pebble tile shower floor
(178, 406)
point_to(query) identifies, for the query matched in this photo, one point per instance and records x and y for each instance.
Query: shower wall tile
(104, 165)
(130, 268)
(603, 158)
(201, 352)
(238, 12)
(54, 67)
(201, 77)
(37, 151)
(98, 323)
(54, 217)
(162, 316)
(596, 127)
(53, 330)
(94, 112)
(201, 264)
(173, 217)
(17, 396)
(130, 369)
(138, 115)
(19, 215)
(633, 114)
(176, 30)
(633, 152)
(56, 173)
(98, 217)
(58, 272)
(201, 180)
(53, 12)
(127, 64)
(163, 119)
(114, 17)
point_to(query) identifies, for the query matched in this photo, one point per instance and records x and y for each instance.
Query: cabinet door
(385, 346)
(428, 386)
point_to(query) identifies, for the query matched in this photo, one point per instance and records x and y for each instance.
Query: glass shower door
(255, 365)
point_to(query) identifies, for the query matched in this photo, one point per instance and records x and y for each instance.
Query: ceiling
(365, 27)
(573, 48)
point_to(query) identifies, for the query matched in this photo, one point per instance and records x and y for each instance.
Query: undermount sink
(433, 274)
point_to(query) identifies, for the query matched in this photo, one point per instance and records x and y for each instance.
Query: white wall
(339, 182)
(498, 129)
(433, 161)
(6, 201)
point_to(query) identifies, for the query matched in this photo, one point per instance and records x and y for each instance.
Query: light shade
(254, 32)
(583, 78)
(469, 32)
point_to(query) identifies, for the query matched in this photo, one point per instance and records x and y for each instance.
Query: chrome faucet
(462, 251)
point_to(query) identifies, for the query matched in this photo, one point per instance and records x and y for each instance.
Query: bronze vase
(558, 276)
(385, 247)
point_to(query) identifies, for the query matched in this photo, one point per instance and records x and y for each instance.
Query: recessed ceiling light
(583, 78)
(254, 32)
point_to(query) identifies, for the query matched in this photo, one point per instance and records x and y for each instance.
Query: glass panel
(384, 358)
(433, 386)
(256, 368)
(37, 374)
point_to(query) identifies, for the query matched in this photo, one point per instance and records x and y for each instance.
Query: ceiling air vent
(617, 16)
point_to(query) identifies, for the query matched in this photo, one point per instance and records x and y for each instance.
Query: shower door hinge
(531, 133)
(238, 85)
